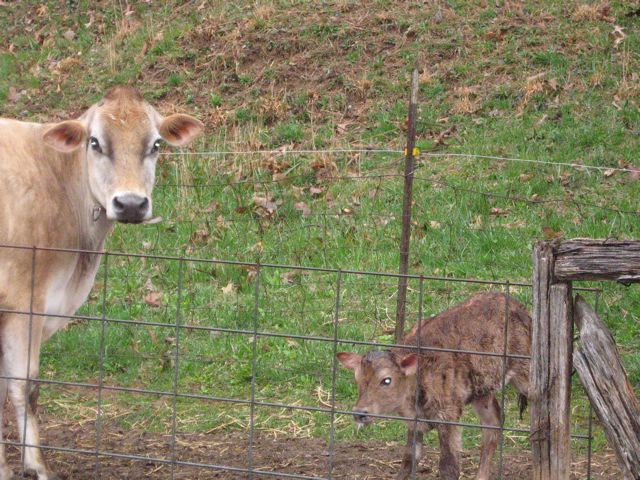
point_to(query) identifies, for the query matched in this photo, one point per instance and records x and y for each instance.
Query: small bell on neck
(97, 212)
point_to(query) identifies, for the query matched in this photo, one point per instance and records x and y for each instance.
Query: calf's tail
(522, 404)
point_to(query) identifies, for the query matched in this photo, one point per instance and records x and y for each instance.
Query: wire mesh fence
(182, 370)
(213, 351)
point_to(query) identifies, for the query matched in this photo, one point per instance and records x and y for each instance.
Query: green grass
(339, 75)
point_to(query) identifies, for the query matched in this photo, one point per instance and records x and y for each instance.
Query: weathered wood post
(550, 371)
(601, 372)
(555, 266)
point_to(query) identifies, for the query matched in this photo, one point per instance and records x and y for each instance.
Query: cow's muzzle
(130, 208)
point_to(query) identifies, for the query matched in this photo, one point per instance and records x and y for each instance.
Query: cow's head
(121, 136)
(386, 383)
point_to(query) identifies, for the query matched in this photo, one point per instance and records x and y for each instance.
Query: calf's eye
(386, 381)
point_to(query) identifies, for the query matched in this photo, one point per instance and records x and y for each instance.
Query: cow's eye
(95, 144)
(386, 381)
(155, 147)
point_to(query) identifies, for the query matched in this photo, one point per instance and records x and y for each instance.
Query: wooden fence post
(409, 167)
(601, 372)
(550, 370)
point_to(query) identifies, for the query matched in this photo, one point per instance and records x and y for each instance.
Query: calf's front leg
(412, 449)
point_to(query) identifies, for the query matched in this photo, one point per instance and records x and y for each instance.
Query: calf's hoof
(403, 475)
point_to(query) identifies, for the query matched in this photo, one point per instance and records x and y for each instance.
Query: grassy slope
(539, 80)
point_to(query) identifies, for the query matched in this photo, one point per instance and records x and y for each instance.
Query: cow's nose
(130, 207)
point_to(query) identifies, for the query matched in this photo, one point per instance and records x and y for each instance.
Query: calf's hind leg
(450, 437)
(489, 412)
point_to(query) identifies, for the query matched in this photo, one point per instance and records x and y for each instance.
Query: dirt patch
(309, 457)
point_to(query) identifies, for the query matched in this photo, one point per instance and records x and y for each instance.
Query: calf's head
(120, 137)
(386, 383)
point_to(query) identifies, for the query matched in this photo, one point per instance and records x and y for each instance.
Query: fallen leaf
(291, 277)
(257, 247)
(634, 173)
(153, 299)
(229, 289)
(315, 190)
(477, 223)
(212, 207)
(303, 207)
(609, 172)
(152, 335)
(445, 134)
(618, 35)
(149, 286)
(252, 273)
(264, 202)
(550, 234)
(201, 235)
(516, 224)
(297, 191)
(220, 222)
(525, 177)
(13, 95)
(499, 211)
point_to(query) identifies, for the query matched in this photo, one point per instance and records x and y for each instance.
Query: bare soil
(302, 456)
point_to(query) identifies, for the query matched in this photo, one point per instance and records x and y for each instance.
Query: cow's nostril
(117, 204)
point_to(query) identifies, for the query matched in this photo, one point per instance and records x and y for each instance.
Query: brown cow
(63, 185)
(448, 381)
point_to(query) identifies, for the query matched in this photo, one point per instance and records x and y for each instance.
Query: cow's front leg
(5, 472)
(20, 364)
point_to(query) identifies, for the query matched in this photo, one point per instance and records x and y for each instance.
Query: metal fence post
(406, 208)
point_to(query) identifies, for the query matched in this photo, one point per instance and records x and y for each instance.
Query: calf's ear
(349, 360)
(409, 364)
(65, 136)
(179, 129)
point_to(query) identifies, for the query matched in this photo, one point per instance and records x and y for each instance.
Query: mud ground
(303, 456)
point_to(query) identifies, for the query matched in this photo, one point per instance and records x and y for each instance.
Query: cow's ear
(409, 364)
(65, 136)
(179, 129)
(349, 360)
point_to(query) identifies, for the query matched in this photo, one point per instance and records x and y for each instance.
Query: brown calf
(448, 381)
